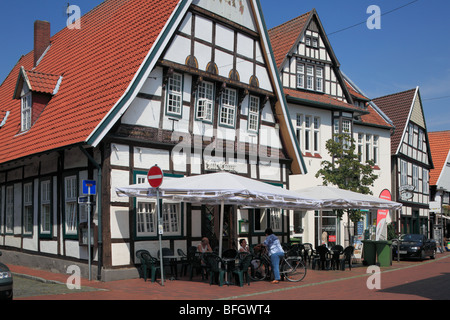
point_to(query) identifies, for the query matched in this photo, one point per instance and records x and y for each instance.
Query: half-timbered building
(323, 102)
(411, 159)
(188, 85)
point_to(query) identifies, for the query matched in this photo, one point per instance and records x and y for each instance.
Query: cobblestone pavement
(404, 280)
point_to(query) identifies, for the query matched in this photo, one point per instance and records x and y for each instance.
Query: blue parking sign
(89, 187)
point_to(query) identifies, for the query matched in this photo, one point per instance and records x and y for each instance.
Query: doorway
(211, 226)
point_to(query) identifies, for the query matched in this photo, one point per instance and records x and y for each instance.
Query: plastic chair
(336, 251)
(229, 254)
(183, 261)
(348, 255)
(167, 262)
(215, 266)
(243, 269)
(308, 252)
(194, 261)
(148, 263)
(321, 259)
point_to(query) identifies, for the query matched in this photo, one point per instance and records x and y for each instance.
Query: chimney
(41, 39)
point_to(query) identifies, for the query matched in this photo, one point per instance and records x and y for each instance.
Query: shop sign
(406, 191)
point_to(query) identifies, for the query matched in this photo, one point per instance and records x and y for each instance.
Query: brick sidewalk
(183, 289)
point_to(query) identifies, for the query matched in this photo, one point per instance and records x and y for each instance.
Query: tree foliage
(346, 171)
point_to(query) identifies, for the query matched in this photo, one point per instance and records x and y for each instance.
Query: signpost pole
(89, 231)
(160, 236)
(155, 178)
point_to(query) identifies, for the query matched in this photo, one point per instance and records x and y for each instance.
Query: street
(404, 280)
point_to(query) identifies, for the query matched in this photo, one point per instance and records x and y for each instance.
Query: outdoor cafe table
(173, 265)
(228, 264)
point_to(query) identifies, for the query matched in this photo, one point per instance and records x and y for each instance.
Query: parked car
(415, 246)
(6, 282)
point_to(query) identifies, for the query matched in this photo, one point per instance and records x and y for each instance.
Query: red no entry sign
(155, 176)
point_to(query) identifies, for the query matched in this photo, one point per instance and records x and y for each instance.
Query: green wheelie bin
(384, 253)
(369, 252)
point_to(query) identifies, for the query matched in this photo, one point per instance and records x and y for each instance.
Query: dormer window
(26, 111)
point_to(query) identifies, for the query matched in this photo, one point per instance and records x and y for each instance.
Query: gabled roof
(397, 107)
(37, 82)
(440, 152)
(98, 61)
(104, 64)
(286, 35)
(285, 38)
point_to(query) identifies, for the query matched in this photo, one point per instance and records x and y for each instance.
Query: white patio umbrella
(223, 188)
(336, 198)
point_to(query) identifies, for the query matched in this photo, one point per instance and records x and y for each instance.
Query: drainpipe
(99, 210)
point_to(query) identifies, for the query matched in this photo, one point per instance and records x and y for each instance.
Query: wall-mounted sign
(220, 166)
(406, 191)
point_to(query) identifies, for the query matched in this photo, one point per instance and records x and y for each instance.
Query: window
(368, 147)
(307, 133)
(228, 110)
(310, 77)
(410, 134)
(319, 79)
(171, 218)
(375, 149)
(205, 100)
(347, 130)
(45, 207)
(425, 182)
(308, 41)
(174, 94)
(253, 114)
(403, 173)
(70, 201)
(26, 112)
(28, 208)
(316, 137)
(416, 177)
(360, 146)
(315, 42)
(299, 125)
(267, 218)
(145, 217)
(9, 210)
(300, 75)
(421, 137)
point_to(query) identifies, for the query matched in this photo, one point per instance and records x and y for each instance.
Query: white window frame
(360, 150)
(309, 77)
(300, 75)
(415, 180)
(375, 155)
(319, 79)
(425, 181)
(71, 205)
(26, 111)
(28, 208)
(403, 173)
(368, 143)
(275, 219)
(174, 104)
(316, 135)
(205, 101)
(253, 113)
(46, 214)
(228, 108)
(299, 129)
(308, 133)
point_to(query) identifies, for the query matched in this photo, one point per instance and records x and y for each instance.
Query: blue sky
(411, 49)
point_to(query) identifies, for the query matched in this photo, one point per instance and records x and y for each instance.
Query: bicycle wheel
(259, 270)
(293, 269)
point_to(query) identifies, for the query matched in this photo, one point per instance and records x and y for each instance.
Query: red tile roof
(439, 147)
(284, 36)
(323, 99)
(397, 107)
(97, 62)
(42, 82)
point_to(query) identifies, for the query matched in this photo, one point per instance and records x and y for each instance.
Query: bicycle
(291, 267)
